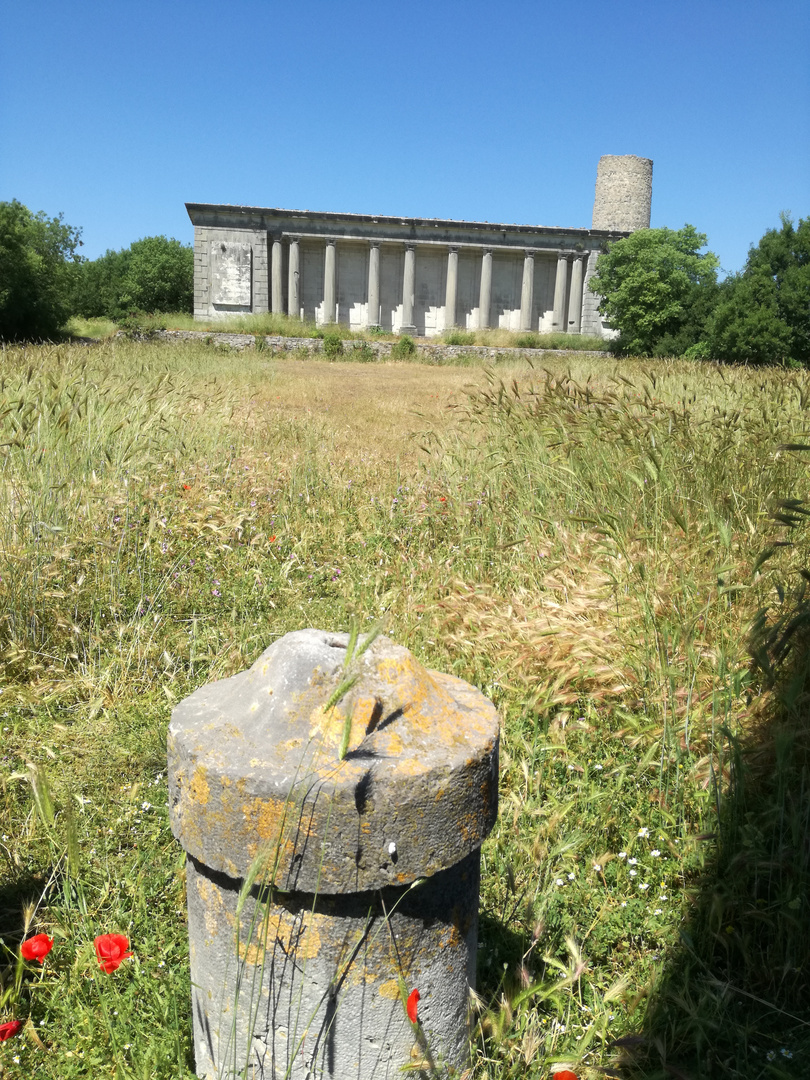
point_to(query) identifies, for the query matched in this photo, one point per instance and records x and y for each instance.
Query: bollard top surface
(255, 781)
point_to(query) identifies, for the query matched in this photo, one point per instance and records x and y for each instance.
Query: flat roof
(389, 219)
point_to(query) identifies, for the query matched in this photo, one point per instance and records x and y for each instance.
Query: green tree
(657, 290)
(763, 314)
(98, 285)
(159, 276)
(37, 254)
(152, 274)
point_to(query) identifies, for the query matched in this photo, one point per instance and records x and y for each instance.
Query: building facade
(413, 275)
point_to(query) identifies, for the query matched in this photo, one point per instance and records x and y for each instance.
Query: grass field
(613, 552)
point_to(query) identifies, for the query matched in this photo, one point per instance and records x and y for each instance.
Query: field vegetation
(613, 551)
(270, 325)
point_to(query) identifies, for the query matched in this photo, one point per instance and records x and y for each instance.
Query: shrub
(528, 341)
(699, 351)
(459, 337)
(404, 348)
(363, 353)
(139, 326)
(332, 344)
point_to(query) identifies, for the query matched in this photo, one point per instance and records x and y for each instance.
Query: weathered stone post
(320, 890)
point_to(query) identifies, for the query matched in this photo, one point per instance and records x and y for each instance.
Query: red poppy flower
(413, 1002)
(564, 1074)
(272, 539)
(442, 498)
(9, 1030)
(36, 947)
(111, 951)
(186, 487)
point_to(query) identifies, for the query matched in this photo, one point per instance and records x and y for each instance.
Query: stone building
(419, 276)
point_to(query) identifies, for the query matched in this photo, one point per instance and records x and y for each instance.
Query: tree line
(44, 280)
(658, 288)
(660, 291)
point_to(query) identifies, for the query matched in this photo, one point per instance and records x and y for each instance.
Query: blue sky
(116, 113)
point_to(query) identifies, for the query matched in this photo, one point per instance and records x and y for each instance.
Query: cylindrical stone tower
(322, 891)
(623, 193)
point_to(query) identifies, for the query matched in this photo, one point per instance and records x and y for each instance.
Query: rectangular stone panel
(231, 274)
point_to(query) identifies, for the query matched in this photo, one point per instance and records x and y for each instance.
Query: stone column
(329, 284)
(575, 297)
(276, 290)
(558, 317)
(527, 292)
(485, 295)
(408, 287)
(373, 314)
(333, 857)
(294, 280)
(451, 292)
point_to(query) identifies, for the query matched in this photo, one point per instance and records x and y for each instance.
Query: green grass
(267, 323)
(97, 329)
(512, 339)
(583, 543)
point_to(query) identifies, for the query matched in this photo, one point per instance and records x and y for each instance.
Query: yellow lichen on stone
(394, 745)
(281, 928)
(266, 817)
(199, 791)
(389, 989)
(326, 725)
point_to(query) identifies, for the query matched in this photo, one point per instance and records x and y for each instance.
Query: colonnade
(566, 317)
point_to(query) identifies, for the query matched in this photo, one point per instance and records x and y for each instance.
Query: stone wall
(230, 272)
(381, 349)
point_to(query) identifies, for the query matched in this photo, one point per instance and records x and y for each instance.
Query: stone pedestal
(322, 891)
